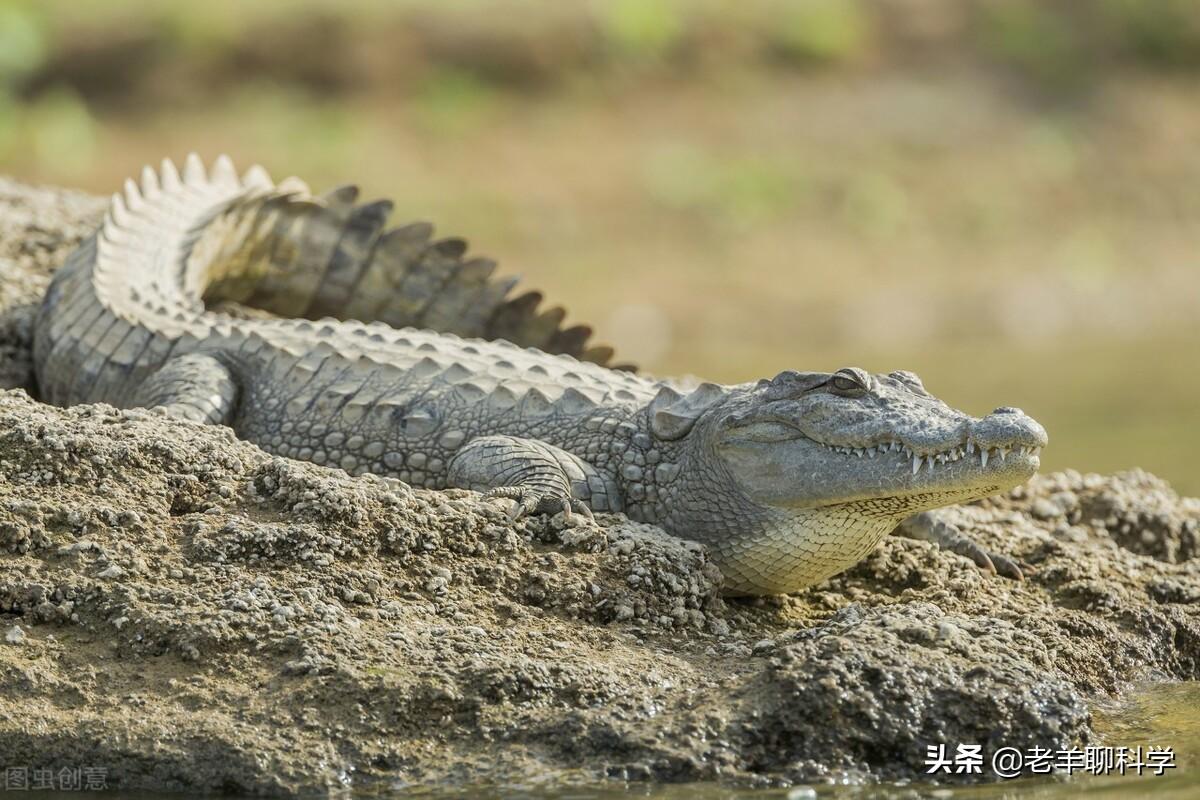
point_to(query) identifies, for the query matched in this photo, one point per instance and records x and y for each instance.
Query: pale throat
(791, 549)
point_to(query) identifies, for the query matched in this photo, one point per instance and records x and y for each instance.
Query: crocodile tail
(280, 249)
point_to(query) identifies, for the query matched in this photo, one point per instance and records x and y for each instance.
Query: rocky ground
(190, 613)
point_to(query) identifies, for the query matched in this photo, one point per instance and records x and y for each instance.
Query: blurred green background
(1001, 195)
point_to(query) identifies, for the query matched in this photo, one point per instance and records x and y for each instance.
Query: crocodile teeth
(943, 457)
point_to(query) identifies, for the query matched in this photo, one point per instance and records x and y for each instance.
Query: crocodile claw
(1006, 567)
(928, 526)
(527, 501)
(992, 563)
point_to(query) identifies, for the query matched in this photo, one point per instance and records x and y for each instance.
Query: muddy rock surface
(190, 613)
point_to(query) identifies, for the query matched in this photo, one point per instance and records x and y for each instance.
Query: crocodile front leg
(541, 478)
(932, 527)
(196, 387)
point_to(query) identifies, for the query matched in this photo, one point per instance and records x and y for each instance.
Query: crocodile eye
(844, 384)
(850, 382)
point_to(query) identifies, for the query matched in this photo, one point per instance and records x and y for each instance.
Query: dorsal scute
(169, 235)
(402, 276)
(674, 414)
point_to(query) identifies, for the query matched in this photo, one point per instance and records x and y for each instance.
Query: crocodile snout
(1008, 427)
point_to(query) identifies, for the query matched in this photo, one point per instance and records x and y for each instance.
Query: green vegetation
(819, 31)
(998, 194)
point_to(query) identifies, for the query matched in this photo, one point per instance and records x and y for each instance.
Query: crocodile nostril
(1007, 410)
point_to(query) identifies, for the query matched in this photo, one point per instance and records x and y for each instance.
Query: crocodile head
(792, 480)
(806, 440)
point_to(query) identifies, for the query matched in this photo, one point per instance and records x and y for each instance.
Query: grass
(735, 222)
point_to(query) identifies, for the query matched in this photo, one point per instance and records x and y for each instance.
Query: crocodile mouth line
(937, 457)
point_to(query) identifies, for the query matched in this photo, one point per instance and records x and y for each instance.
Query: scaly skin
(787, 481)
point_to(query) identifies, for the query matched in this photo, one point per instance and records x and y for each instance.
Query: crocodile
(300, 322)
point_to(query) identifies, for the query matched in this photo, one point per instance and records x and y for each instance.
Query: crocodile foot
(928, 526)
(532, 501)
(539, 477)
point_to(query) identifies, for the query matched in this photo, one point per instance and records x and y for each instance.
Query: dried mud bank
(189, 613)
